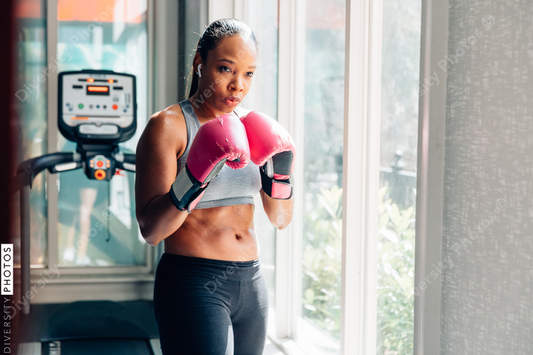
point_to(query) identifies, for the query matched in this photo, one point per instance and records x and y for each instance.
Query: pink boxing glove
(220, 141)
(272, 148)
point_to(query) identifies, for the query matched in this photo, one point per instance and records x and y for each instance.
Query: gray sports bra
(229, 187)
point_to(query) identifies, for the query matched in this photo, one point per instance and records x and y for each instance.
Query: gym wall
(488, 181)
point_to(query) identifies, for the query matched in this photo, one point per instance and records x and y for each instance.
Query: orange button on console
(99, 163)
(99, 174)
(115, 107)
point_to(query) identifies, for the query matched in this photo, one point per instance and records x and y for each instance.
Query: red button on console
(99, 164)
(115, 107)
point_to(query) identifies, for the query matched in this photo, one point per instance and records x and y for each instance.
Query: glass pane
(32, 107)
(323, 122)
(96, 219)
(263, 95)
(399, 131)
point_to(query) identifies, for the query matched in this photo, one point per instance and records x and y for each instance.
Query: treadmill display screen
(97, 90)
(96, 106)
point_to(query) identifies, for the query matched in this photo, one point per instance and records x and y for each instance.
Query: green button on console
(80, 105)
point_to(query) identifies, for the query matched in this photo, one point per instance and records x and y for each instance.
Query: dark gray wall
(193, 20)
(487, 297)
(178, 25)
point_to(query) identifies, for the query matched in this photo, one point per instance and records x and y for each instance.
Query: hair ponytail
(193, 80)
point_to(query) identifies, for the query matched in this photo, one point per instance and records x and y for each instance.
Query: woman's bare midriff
(222, 233)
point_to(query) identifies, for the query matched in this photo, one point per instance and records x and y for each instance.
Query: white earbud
(199, 71)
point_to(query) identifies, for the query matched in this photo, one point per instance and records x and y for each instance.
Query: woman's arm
(279, 212)
(162, 140)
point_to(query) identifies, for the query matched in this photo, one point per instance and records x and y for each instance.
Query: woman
(210, 296)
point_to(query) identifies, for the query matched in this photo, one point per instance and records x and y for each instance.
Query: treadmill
(97, 109)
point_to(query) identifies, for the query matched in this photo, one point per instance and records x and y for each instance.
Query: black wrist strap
(185, 189)
(267, 184)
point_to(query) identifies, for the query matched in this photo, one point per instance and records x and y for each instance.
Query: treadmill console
(98, 110)
(97, 106)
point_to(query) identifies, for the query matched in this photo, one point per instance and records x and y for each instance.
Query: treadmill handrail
(23, 180)
(125, 161)
(29, 169)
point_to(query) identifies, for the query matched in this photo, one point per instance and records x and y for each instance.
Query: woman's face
(227, 73)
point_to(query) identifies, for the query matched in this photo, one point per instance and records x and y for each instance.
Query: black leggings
(207, 306)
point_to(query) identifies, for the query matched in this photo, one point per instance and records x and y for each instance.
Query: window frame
(430, 178)
(291, 37)
(361, 166)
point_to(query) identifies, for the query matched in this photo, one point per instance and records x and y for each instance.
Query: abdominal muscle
(222, 233)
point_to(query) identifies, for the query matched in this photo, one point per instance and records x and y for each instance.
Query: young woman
(210, 296)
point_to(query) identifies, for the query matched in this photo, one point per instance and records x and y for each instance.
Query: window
(385, 270)
(75, 221)
(323, 165)
(96, 219)
(398, 160)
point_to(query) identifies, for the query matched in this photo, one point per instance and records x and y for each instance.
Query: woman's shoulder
(170, 120)
(169, 115)
(167, 126)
